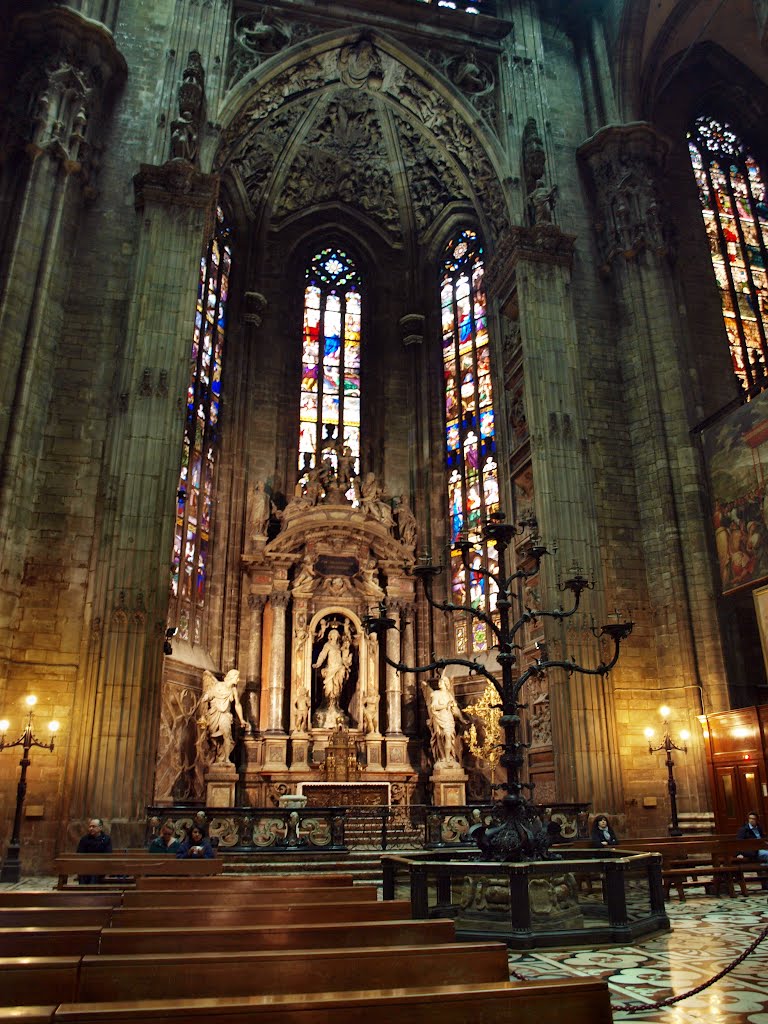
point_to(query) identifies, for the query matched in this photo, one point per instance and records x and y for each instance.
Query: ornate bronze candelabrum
(11, 868)
(516, 832)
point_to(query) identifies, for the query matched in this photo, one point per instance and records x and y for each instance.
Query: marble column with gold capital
(276, 737)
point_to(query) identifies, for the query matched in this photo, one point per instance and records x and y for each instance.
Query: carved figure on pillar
(301, 707)
(219, 697)
(261, 509)
(541, 198)
(371, 713)
(443, 712)
(406, 522)
(186, 128)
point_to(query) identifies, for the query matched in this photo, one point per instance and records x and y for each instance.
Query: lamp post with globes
(668, 745)
(11, 868)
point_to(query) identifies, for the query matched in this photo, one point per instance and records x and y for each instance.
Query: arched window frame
(194, 499)
(470, 434)
(732, 196)
(330, 400)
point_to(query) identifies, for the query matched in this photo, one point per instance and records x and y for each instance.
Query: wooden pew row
(213, 975)
(232, 883)
(257, 897)
(132, 865)
(244, 915)
(709, 862)
(83, 897)
(56, 942)
(561, 1001)
(54, 917)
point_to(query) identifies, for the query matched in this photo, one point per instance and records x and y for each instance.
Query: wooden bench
(504, 1002)
(201, 975)
(43, 979)
(232, 883)
(124, 867)
(257, 897)
(83, 897)
(48, 942)
(54, 917)
(344, 935)
(701, 861)
(237, 917)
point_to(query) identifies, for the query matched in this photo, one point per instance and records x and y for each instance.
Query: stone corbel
(412, 329)
(254, 305)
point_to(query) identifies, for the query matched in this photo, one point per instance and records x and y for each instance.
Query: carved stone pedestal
(448, 786)
(299, 753)
(373, 743)
(275, 752)
(397, 751)
(220, 784)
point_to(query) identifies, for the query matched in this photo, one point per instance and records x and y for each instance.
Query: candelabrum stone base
(397, 751)
(448, 786)
(220, 785)
(275, 753)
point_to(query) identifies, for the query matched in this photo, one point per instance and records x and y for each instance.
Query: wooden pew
(36, 980)
(503, 1002)
(255, 897)
(232, 883)
(129, 866)
(344, 935)
(30, 1014)
(209, 975)
(48, 942)
(238, 917)
(708, 862)
(54, 917)
(82, 897)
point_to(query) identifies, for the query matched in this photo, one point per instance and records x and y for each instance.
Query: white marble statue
(301, 710)
(443, 712)
(260, 510)
(219, 697)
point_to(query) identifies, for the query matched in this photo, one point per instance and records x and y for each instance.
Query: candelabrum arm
(473, 666)
(571, 666)
(447, 606)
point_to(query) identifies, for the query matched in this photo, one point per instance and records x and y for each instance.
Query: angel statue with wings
(215, 705)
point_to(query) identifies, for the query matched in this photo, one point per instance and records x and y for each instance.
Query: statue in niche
(371, 713)
(443, 712)
(469, 76)
(541, 722)
(301, 711)
(191, 96)
(219, 697)
(542, 201)
(335, 664)
(261, 509)
(541, 198)
(406, 522)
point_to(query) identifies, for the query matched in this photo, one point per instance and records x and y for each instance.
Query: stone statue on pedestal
(219, 697)
(444, 712)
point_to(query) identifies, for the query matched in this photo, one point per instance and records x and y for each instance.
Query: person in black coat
(95, 840)
(195, 844)
(602, 834)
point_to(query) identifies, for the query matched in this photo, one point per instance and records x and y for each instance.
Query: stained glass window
(470, 433)
(733, 202)
(194, 499)
(329, 408)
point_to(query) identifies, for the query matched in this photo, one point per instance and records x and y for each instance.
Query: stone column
(255, 621)
(532, 272)
(626, 165)
(55, 119)
(118, 692)
(276, 738)
(396, 742)
(410, 718)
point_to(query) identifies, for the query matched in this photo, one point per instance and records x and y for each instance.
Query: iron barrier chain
(671, 1000)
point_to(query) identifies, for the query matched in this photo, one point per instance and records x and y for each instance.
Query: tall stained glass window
(195, 493)
(470, 432)
(733, 202)
(329, 417)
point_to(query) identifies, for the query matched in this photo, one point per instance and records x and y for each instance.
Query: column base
(275, 753)
(300, 753)
(373, 744)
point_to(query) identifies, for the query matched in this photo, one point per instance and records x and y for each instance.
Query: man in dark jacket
(751, 830)
(95, 840)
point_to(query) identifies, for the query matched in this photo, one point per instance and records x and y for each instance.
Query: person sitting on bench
(166, 842)
(751, 830)
(602, 834)
(195, 844)
(95, 840)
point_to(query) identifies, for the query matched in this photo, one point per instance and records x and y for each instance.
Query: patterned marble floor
(707, 934)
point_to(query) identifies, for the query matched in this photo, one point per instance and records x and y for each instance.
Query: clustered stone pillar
(276, 738)
(532, 272)
(626, 165)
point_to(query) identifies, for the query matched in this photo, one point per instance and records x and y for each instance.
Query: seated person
(166, 842)
(195, 844)
(95, 840)
(602, 834)
(751, 830)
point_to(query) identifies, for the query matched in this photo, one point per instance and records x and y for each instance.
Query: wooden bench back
(116, 941)
(237, 917)
(255, 881)
(47, 942)
(254, 897)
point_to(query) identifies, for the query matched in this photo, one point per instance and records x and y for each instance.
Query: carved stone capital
(68, 67)
(412, 329)
(254, 304)
(626, 163)
(177, 183)
(539, 243)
